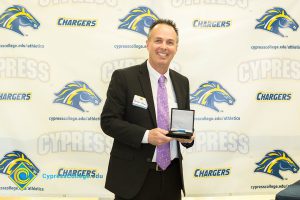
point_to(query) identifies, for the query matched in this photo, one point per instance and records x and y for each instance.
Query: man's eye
(171, 43)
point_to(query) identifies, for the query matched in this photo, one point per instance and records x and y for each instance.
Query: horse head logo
(138, 20)
(209, 93)
(74, 93)
(274, 19)
(13, 159)
(17, 16)
(275, 161)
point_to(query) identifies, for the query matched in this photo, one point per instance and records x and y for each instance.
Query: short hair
(166, 22)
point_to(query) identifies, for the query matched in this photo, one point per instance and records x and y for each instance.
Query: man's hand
(182, 140)
(157, 136)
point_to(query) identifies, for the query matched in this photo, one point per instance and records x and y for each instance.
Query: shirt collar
(153, 73)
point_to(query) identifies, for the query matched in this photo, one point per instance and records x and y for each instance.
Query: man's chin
(163, 64)
(163, 61)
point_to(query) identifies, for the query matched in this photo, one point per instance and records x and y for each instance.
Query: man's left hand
(182, 140)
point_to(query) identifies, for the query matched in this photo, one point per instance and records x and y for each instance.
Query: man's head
(166, 22)
(162, 44)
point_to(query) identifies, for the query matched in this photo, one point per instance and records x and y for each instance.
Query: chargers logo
(77, 172)
(274, 19)
(76, 22)
(17, 16)
(138, 20)
(209, 93)
(19, 168)
(9, 96)
(74, 93)
(267, 96)
(207, 173)
(275, 161)
(198, 23)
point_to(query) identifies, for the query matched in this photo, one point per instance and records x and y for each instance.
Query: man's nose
(163, 45)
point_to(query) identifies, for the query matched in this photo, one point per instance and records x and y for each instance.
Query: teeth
(162, 54)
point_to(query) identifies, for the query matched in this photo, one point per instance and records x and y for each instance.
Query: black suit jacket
(129, 160)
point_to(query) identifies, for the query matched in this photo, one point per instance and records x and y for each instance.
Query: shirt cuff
(145, 138)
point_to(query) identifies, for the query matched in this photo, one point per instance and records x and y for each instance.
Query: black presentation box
(182, 123)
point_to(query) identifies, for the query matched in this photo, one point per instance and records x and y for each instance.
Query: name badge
(140, 102)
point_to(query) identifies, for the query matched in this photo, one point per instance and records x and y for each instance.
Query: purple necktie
(163, 157)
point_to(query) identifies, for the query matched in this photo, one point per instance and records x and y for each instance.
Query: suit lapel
(176, 85)
(147, 90)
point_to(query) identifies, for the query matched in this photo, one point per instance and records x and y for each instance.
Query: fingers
(183, 140)
(162, 131)
(193, 137)
(158, 136)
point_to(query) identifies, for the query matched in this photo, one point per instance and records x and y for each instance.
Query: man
(145, 164)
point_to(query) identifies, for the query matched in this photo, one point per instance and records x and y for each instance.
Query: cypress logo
(16, 16)
(274, 19)
(19, 168)
(138, 20)
(210, 93)
(276, 161)
(76, 92)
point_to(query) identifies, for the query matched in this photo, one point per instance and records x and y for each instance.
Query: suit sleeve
(187, 102)
(113, 121)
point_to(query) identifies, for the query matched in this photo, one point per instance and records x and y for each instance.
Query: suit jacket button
(149, 160)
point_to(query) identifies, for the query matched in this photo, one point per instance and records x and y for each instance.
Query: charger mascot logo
(138, 20)
(74, 93)
(209, 93)
(17, 16)
(19, 168)
(275, 161)
(274, 19)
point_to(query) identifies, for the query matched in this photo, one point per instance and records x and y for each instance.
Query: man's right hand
(157, 136)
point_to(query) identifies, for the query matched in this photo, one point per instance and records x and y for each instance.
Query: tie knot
(162, 80)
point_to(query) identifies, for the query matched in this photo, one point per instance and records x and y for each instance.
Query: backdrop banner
(56, 61)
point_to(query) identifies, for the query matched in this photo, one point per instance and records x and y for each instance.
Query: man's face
(162, 45)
